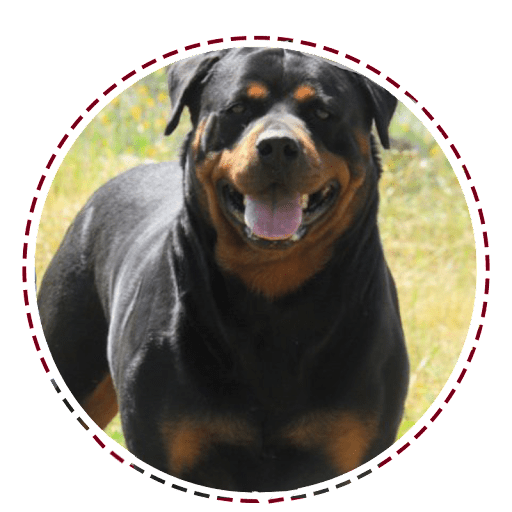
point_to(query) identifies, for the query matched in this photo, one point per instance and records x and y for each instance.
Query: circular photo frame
(426, 191)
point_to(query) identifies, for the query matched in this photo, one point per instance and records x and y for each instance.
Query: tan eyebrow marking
(304, 93)
(257, 91)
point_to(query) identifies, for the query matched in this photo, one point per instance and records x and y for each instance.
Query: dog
(236, 306)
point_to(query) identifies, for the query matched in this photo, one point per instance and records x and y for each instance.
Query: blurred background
(423, 217)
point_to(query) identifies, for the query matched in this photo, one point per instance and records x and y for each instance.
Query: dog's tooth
(304, 199)
(249, 233)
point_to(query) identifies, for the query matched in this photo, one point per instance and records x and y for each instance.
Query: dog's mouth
(277, 220)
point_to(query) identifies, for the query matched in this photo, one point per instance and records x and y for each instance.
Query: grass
(425, 225)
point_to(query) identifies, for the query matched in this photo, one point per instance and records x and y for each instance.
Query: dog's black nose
(277, 148)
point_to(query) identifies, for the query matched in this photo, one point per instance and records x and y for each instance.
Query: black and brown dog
(237, 307)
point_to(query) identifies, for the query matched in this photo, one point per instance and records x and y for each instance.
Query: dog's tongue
(273, 218)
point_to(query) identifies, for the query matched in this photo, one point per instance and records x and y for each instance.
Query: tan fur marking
(343, 437)
(101, 404)
(196, 142)
(304, 93)
(187, 440)
(257, 91)
(274, 273)
(363, 141)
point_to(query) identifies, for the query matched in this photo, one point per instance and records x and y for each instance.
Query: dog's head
(282, 150)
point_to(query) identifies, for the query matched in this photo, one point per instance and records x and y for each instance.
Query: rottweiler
(236, 306)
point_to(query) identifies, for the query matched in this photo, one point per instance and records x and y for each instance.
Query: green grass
(424, 221)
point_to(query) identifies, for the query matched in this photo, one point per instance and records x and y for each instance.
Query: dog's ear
(383, 106)
(185, 79)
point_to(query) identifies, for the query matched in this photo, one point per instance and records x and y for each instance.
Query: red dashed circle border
(355, 63)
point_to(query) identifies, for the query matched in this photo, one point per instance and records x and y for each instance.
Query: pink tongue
(273, 219)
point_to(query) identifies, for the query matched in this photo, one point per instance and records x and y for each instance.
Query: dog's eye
(321, 113)
(238, 108)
